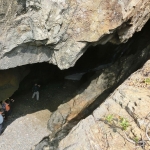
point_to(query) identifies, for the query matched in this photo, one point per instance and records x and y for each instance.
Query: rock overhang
(59, 32)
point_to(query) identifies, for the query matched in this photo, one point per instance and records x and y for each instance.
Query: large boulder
(25, 131)
(60, 31)
(130, 101)
(103, 82)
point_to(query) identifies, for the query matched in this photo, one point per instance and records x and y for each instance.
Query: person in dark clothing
(35, 91)
(7, 107)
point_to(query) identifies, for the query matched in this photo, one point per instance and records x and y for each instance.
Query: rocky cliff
(122, 121)
(59, 31)
(130, 101)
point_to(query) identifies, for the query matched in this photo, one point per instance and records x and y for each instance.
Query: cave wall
(94, 57)
(59, 32)
(66, 123)
(10, 80)
(129, 101)
(101, 84)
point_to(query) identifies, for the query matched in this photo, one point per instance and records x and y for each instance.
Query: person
(35, 91)
(6, 105)
(1, 120)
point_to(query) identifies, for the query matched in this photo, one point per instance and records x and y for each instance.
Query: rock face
(131, 101)
(69, 114)
(104, 81)
(60, 31)
(9, 81)
(26, 131)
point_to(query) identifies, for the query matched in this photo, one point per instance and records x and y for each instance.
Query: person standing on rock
(1, 120)
(35, 91)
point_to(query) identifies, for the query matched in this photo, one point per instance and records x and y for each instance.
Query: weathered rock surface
(131, 100)
(107, 79)
(9, 81)
(58, 31)
(24, 133)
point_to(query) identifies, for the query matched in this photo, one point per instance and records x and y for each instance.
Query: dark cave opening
(45, 73)
(56, 89)
(94, 58)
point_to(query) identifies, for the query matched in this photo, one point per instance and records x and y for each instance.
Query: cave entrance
(59, 86)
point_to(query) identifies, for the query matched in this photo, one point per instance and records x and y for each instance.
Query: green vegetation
(121, 122)
(124, 123)
(109, 118)
(136, 139)
(147, 80)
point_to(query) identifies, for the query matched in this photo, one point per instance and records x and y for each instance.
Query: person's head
(7, 101)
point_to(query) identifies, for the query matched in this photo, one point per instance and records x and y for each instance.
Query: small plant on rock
(124, 123)
(136, 139)
(147, 80)
(109, 118)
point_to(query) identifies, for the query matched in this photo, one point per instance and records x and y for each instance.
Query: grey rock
(106, 79)
(59, 32)
(95, 133)
(25, 132)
